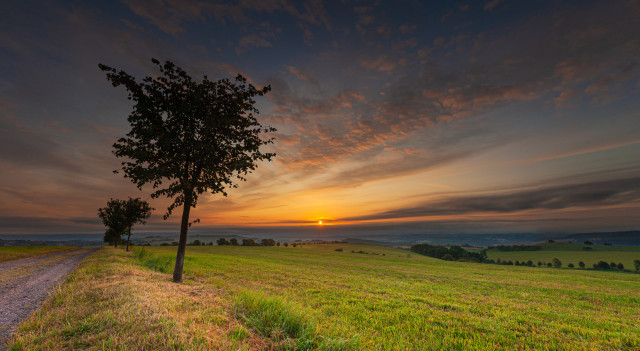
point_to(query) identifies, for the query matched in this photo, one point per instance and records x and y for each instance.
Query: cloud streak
(591, 194)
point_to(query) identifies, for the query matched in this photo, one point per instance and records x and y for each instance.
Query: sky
(449, 117)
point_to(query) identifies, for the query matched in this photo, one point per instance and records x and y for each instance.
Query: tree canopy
(189, 137)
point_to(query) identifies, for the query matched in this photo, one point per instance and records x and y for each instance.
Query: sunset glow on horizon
(476, 116)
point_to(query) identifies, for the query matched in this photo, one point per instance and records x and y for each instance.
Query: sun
(319, 222)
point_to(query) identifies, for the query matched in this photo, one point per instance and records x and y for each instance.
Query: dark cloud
(592, 194)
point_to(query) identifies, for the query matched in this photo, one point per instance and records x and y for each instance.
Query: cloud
(492, 4)
(25, 146)
(251, 41)
(302, 76)
(585, 195)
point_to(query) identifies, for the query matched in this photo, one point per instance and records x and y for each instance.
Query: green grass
(573, 253)
(388, 299)
(111, 302)
(8, 253)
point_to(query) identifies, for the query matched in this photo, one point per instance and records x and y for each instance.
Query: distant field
(8, 253)
(314, 297)
(573, 253)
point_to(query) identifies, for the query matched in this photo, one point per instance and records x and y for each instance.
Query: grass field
(8, 253)
(573, 253)
(314, 297)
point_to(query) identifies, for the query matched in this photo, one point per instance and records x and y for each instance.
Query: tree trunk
(182, 243)
(116, 242)
(128, 237)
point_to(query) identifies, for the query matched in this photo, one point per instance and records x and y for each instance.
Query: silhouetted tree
(581, 264)
(267, 242)
(223, 241)
(570, 265)
(136, 211)
(113, 217)
(233, 241)
(112, 236)
(248, 242)
(556, 263)
(189, 137)
(285, 244)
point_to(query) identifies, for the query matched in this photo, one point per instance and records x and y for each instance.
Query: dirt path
(25, 283)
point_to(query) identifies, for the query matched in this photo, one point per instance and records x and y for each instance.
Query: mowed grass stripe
(9, 253)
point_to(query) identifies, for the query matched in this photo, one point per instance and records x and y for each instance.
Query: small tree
(113, 217)
(112, 236)
(189, 137)
(223, 241)
(267, 242)
(233, 241)
(636, 263)
(570, 265)
(136, 211)
(581, 264)
(248, 242)
(556, 263)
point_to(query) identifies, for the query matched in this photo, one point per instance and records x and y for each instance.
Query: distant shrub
(636, 263)
(620, 267)
(588, 242)
(165, 244)
(294, 245)
(549, 264)
(570, 265)
(587, 248)
(601, 265)
(517, 263)
(223, 241)
(551, 241)
(448, 257)
(174, 243)
(278, 243)
(539, 263)
(248, 242)
(268, 242)
(233, 241)
(530, 263)
(338, 249)
(285, 244)
(613, 265)
(556, 263)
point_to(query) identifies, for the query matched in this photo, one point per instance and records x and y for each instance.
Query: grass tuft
(287, 324)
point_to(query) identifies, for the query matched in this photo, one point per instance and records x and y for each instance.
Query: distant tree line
(452, 253)
(457, 253)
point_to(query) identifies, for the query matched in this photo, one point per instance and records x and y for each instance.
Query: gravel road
(26, 283)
